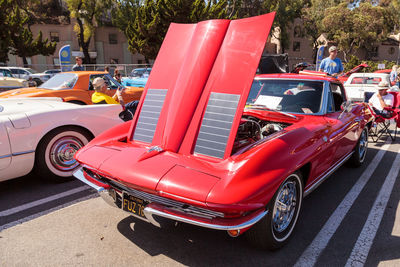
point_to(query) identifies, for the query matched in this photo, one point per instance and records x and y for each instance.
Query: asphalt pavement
(352, 219)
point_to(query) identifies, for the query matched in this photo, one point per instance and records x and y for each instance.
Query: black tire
(77, 102)
(273, 232)
(59, 167)
(38, 81)
(360, 150)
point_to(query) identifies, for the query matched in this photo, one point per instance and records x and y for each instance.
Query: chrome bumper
(154, 209)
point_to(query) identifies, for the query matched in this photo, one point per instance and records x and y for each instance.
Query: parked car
(388, 71)
(75, 87)
(137, 78)
(25, 73)
(360, 83)
(52, 72)
(8, 81)
(343, 78)
(43, 134)
(197, 152)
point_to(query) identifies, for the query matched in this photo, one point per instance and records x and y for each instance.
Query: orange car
(75, 87)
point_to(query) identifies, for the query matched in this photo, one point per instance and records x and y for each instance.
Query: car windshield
(60, 81)
(5, 73)
(366, 80)
(31, 70)
(140, 72)
(293, 96)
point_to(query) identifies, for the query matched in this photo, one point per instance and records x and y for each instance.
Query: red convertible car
(212, 146)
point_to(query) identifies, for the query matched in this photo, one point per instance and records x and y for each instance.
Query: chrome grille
(179, 206)
(216, 125)
(149, 115)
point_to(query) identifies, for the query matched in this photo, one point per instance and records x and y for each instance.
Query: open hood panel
(202, 75)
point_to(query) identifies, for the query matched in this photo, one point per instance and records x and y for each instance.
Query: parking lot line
(364, 242)
(311, 254)
(39, 214)
(42, 201)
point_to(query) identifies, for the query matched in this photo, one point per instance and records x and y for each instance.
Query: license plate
(133, 205)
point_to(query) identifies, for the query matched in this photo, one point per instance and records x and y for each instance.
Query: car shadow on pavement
(187, 244)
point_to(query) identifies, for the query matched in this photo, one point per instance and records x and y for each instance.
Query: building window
(114, 61)
(373, 52)
(296, 46)
(297, 32)
(391, 50)
(56, 61)
(54, 37)
(112, 38)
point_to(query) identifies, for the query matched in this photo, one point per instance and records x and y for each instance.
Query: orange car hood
(25, 92)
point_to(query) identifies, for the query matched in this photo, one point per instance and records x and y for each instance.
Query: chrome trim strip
(110, 197)
(325, 176)
(149, 211)
(6, 156)
(17, 154)
(79, 174)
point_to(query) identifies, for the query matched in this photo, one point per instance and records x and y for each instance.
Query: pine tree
(5, 41)
(16, 36)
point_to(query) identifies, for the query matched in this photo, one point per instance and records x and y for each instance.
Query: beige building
(107, 46)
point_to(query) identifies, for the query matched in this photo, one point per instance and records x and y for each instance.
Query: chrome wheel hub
(285, 207)
(363, 145)
(62, 153)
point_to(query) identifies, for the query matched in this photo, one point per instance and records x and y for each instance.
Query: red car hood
(202, 76)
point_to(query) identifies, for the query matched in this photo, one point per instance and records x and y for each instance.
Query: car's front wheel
(275, 229)
(54, 159)
(360, 151)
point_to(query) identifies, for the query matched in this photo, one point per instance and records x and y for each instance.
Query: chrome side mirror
(346, 107)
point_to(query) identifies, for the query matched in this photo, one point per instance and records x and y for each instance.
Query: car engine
(252, 129)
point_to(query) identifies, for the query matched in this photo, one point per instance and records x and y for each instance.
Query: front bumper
(154, 209)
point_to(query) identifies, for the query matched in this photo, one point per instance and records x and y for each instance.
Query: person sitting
(381, 100)
(117, 76)
(100, 96)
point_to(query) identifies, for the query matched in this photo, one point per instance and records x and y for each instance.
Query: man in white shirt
(381, 100)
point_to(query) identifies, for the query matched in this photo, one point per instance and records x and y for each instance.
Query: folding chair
(381, 124)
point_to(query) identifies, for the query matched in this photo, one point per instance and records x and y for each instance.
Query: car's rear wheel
(360, 151)
(275, 229)
(54, 160)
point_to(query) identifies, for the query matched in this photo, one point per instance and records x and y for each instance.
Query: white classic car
(360, 83)
(43, 134)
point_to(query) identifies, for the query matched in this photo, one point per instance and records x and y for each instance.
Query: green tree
(148, 22)
(88, 15)
(286, 12)
(312, 16)
(360, 27)
(17, 37)
(5, 41)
